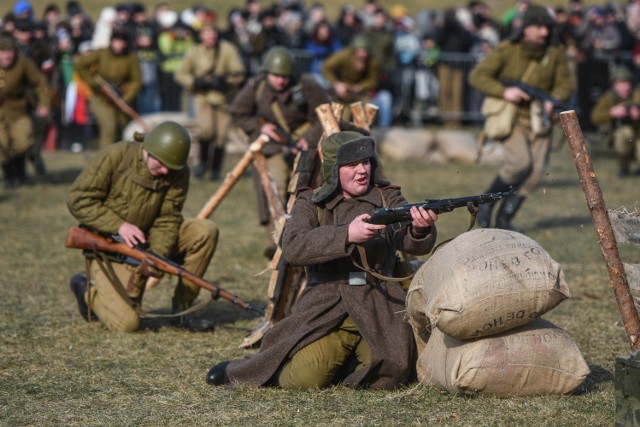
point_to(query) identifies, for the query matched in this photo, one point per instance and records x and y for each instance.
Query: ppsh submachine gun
(88, 240)
(400, 215)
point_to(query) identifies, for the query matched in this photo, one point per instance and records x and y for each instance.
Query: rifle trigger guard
(148, 268)
(473, 209)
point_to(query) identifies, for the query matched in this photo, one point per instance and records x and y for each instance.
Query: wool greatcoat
(252, 107)
(318, 241)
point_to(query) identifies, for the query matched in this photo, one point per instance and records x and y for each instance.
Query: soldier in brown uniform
(529, 58)
(118, 67)
(213, 71)
(348, 325)
(17, 74)
(280, 105)
(617, 113)
(352, 73)
(137, 191)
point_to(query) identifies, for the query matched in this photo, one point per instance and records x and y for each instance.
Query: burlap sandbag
(486, 281)
(416, 309)
(535, 359)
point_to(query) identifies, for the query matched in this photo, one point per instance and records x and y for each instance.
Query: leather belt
(355, 278)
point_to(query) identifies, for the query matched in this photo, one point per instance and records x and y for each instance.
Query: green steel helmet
(621, 74)
(278, 61)
(360, 41)
(170, 143)
(343, 148)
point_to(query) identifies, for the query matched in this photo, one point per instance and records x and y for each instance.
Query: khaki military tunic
(212, 105)
(339, 67)
(117, 187)
(329, 304)
(16, 135)
(526, 149)
(123, 73)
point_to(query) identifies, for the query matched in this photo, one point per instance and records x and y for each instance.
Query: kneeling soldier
(137, 191)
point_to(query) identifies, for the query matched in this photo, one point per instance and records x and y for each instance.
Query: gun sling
(104, 261)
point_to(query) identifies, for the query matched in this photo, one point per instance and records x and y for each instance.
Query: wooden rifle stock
(82, 238)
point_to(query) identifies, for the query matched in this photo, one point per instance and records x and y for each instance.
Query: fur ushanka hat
(343, 148)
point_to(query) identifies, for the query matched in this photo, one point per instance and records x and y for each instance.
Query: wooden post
(371, 111)
(232, 177)
(359, 115)
(602, 224)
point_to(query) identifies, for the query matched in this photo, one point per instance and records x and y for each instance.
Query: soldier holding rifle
(618, 113)
(281, 105)
(137, 191)
(17, 74)
(213, 71)
(119, 68)
(348, 324)
(529, 58)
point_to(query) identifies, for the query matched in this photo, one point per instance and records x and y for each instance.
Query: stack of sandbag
(474, 307)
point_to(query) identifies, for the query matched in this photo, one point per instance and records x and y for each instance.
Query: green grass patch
(55, 369)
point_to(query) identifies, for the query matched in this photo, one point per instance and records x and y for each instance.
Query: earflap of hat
(345, 148)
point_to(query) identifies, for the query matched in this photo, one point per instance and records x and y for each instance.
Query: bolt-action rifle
(401, 214)
(83, 238)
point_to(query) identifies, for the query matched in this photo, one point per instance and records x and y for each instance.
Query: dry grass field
(55, 369)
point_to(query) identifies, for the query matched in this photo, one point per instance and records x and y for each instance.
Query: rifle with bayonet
(401, 214)
(87, 240)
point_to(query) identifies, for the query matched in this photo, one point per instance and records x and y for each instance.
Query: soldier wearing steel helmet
(348, 324)
(617, 113)
(280, 104)
(137, 191)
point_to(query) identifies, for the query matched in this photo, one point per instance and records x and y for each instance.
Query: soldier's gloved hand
(201, 83)
(218, 82)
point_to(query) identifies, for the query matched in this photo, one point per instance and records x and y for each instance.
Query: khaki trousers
(626, 142)
(111, 121)
(16, 136)
(213, 121)
(317, 364)
(197, 242)
(525, 157)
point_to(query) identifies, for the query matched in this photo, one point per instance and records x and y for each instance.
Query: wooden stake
(602, 224)
(232, 177)
(359, 115)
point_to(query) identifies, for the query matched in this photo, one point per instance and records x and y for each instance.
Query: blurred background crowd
(424, 58)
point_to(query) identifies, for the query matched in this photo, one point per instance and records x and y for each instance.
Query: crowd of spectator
(417, 53)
